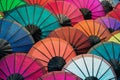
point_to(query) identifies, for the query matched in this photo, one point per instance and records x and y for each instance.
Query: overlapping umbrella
(114, 37)
(110, 51)
(90, 67)
(59, 75)
(91, 9)
(67, 13)
(78, 40)
(13, 38)
(19, 66)
(53, 53)
(94, 30)
(111, 23)
(37, 20)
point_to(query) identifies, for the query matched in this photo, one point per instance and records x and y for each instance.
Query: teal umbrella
(37, 20)
(109, 51)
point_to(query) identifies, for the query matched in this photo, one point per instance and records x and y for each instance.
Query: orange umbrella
(53, 53)
(94, 30)
(75, 37)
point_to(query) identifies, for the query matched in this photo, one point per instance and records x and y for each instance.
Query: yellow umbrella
(115, 37)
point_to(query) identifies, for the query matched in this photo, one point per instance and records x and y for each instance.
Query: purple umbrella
(111, 23)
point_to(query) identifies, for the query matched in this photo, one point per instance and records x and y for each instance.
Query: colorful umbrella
(13, 38)
(38, 2)
(91, 9)
(37, 20)
(110, 51)
(53, 53)
(117, 6)
(66, 13)
(19, 66)
(7, 5)
(111, 23)
(1, 15)
(114, 37)
(94, 30)
(59, 75)
(75, 37)
(90, 67)
(115, 13)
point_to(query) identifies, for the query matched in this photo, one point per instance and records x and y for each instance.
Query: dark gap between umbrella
(35, 32)
(92, 78)
(94, 40)
(15, 77)
(64, 20)
(111, 30)
(56, 64)
(86, 13)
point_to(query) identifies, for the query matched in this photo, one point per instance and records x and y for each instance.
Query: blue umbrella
(37, 20)
(110, 51)
(13, 38)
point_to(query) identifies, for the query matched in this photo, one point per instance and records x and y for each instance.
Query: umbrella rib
(54, 76)
(2, 5)
(89, 26)
(109, 22)
(69, 34)
(29, 1)
(103, 33)
(91, 4)
(63, 34)
(7, 66)
(57, 8)
(72, 12)
(115, 37)
(28, 19)
(59, 47)
(41, 53)
(44, 3)
(65, 49)
(3, 72)
(34, 14)
(53, 47)
(79, 68)
(115, 24)
(96, 7)
(98, 29)
(65, 76)
(17, 3)
(94, 27)
(73, 37)
(66, 12)
(93, 65)
(76, 4)
(69, 54)
(55, 32)
(116, 14)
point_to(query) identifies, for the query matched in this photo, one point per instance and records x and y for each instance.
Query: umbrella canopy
(115, 13)
(38, 2)
(1, 15)
(59, 75)
(37, 20)
(117, 6)
(91, 9)
(95, 31)
(111, 23)
(19, 66)
(90, 67)
(67, 13)
(7, 5)
(78, 40)
(14, 38)
(53, 53)
(114, 37)
(110, 51)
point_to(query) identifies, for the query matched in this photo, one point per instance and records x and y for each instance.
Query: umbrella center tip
(111, 30)
(34, 31)
(86, 13)
(56, 64)
(94, 40)
(15, 77)
(92, 78)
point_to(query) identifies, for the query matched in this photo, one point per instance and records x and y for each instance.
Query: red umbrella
(117, 6)
(66, 13)
(20, 66)
(53, 53)
(59, 75)
(75, 37)
(91, 9)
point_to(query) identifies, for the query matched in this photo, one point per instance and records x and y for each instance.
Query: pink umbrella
(59, 75)
(91, 9)
(19, 66)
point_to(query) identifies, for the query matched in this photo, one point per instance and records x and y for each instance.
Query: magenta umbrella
(91, 9)
(20, 66)
(59, 75)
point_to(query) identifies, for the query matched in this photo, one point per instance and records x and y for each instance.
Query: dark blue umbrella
(109, 51)
(37, 20)
(13, 38)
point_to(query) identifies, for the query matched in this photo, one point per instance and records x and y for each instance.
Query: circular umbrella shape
(78, 40)
(19, 66)
(14, 38)
(38, 2)
(90, 67)
(94, 30)
(37, 20)
(117, 6)
(115, 13)
(53, 53)
(114, 37)
(91, 9)
(7, 5)
(110, 51)
(59, 75)
(111, 23)
(1, 15)
(66, 13)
